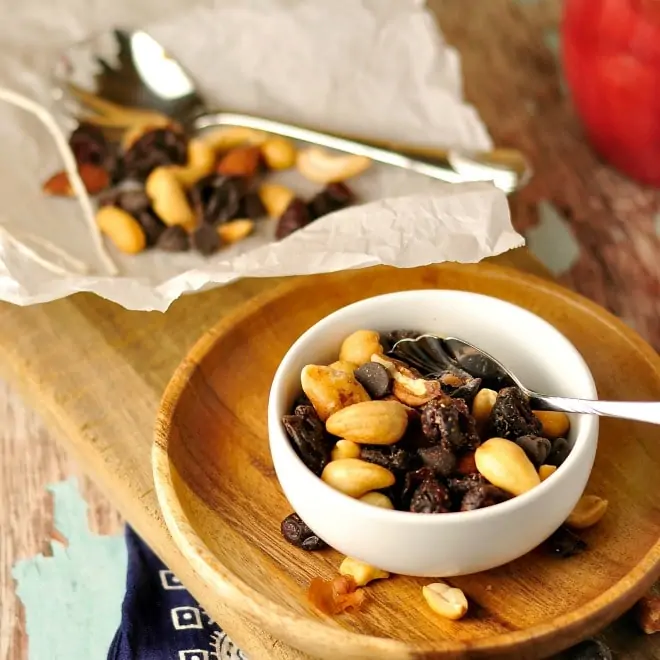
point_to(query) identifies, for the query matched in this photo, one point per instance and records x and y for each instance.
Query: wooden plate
(223, 505)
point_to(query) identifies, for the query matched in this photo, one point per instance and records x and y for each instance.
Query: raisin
(466, 464)
(459, 486)
(564, 543)
(309, 438)
(512, 417)
(536, 448)
(216, 198)
(482, 496)
(334, 197)
(89, 145)
(296, 532)
(151, 224)
(450, 420)
(295, 217)
(174, 239)
(430, 497)
(589, 649)
(251, 207)
(559, 452)
(374, 378)
(205, 240)
(162, 146)
(395, 459)
(440, 458)
(388, 339)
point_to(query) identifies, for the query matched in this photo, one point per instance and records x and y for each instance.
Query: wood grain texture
(223, 503)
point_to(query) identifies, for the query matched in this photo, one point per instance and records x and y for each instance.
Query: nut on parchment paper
(321, 166)
(168, 199)
(122, 229)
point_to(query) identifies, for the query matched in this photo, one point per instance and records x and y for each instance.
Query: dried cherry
(450, 420)
(295, 217)
(512, 416)
(334, 197)
(430, 497)
(89, 145)
(161, 146)
(459, 486)
(482, 496)
(440, 458)
(216, 198)
(296, 532)
(395, 459)
(536, 448)
(309, 437)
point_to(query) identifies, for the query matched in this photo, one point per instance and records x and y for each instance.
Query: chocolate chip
(174, 239)
(536, 448)
(205, 240)
(374, 378)
(559, 453)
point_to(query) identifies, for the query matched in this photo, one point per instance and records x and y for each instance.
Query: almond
(241, 161)
(94, 177)
(370, 422)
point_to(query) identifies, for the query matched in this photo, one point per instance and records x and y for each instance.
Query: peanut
(362, 573)
(348, 367)
(321, 166)
(278, 153)
(275, 198)
(235, 230)
(587, 512)
(360, 346)
(122, 229)
(445, 600)
(201, 161)
(377, 499)
(355, 477)
(546, 470)
(345, 449)
(482, 405)
(169, 199)
(330, 390)
(555, 423)
(506, 466)
(370, 422)
(228, 137)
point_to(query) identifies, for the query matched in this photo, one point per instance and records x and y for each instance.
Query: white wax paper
(377, 68)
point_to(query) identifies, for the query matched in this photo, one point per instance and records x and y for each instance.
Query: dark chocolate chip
(174, 239)
(536, 448)
(205, 240)
(374, 378)
(559, 453)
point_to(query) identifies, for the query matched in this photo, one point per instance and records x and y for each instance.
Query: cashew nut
(505, 465)
(321, 166)
(362, 573)
(235, 230)
(201, 161)
(122, 229)
(555, 424)
(359, 346)
(278, 153)
(228, 137)
(449, 602)
(275, 198)
(355, 477)
(168, 199)
(587, 512)
(377, 499)
(345, 449)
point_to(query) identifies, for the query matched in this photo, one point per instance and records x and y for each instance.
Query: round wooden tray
(223, 505)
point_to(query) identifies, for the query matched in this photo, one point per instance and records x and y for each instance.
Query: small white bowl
(440, 545)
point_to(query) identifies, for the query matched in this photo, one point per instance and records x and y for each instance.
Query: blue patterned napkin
(160, 620)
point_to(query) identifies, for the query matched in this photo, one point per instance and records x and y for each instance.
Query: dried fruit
(369, 422)
(392, 457)
(546, 471)
(440, 458)
(330, 390)
(168, 199)
(308, 437)
(361, 572)
(251, 207)
(345, 449)
(335, 596)
(377, 499)
(430, 497)
(295, 217)
(374, 378)
(321, 166)
(559, 453)
(587, 512)
(152, 226)
(647, 614)
(555, 424)
(174, 239)
(355, 477)
(235, 230)
(448, 420)
(278, 153)
(511, 416)
(89, 145)
(334, 197)
(482, 496)
(157, 148)
(459, 486)
(296, 532)
(205, 240)
(122, 229)
(359, 346)
(536, 448)
(216, 198)
(466, 464)
(445, 600)
(240, 161)
(275, 198)
(505, 465)
(564, 543)
(589, 649)
(94, 178)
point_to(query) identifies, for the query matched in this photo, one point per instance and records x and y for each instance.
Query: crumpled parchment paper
(376, 68)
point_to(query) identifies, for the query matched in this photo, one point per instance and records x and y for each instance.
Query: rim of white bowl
(590, 423)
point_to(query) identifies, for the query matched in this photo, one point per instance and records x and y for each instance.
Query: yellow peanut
(278, 153)
(362, 573)
(122, 229)
(348, 367)
(370, 422)
(445, 600)
(482, 405)
(355, 477)
(275, 198)
(345, 449)
(506, 466)
(555, 423)
(377, 499)
(587, 512)
(235, 230)
(168, 199)
(546, 471)
(359, 346)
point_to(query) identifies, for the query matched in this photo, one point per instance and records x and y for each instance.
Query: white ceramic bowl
(437, 545)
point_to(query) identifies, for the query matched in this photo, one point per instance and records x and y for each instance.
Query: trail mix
(371, 426)
(159, 188)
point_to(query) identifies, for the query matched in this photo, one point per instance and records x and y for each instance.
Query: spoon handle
(641, 411)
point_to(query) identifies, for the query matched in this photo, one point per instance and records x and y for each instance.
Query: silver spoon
(433, 353)
(142, 73)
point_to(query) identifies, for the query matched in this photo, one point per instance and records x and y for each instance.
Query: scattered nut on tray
(160, 188)
(371, 426)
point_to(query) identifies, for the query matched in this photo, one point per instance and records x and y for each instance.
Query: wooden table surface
(94, 373)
